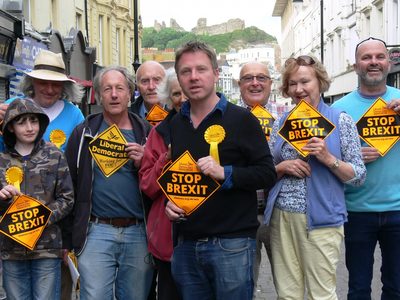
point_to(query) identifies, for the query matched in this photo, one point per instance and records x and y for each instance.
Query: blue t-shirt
(117, 196)
(67, 120)
(380, 191)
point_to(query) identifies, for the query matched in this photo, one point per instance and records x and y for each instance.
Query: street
(266, 290)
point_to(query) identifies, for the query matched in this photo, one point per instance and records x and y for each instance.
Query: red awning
(85, 83)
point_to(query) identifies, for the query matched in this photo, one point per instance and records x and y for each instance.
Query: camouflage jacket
(46, 178)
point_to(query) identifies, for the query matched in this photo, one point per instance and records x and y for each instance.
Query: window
(78, 19)
(117, 46)
(26, 10)
(131, 50)
(100, 41)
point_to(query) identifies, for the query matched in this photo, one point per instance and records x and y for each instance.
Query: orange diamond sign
(379, 127)
(156, 114)
(108, 150)
(265, 118)
(25, 220)
(303, 123)
(186, 186)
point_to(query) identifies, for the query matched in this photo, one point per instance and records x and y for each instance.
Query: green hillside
(170, 38)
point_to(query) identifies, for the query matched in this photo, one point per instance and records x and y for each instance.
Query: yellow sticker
(303, 123)
(265, 118)
(156, 114)
(108, 150)
(214, 135)
(25, 220)
(58, 137)
(379, 127)
(186, 186)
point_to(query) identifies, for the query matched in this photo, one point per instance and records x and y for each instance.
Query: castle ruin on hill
(202, 28)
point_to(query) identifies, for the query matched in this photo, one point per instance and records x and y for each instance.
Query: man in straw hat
(49, 87)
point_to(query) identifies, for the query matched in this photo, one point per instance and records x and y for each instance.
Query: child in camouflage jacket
(33, 274)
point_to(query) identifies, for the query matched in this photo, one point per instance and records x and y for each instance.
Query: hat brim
(48, 75)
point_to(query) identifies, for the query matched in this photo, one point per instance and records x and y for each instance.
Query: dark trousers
(166, 288)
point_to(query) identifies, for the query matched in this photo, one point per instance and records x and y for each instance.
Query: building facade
(344, 24)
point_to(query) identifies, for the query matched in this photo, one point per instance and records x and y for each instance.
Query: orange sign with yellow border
(379, 127)
(303, 123)
(108, 150)
(25, 220)
(185, 185)
(156, 115)
(265, 118)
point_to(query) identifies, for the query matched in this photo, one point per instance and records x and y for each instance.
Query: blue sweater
(325, 196)
(380, 191)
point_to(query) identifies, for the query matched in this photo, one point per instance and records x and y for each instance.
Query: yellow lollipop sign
(214, 135)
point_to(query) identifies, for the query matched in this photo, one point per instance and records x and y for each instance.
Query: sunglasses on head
(369, 39)
(302, 60)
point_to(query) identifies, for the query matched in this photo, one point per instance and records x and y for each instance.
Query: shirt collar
(221, 106)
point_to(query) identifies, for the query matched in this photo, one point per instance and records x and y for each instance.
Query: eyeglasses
(366, 40)
(302, 60)
(259, 78)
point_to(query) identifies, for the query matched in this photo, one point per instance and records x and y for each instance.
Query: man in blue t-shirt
(374, 208)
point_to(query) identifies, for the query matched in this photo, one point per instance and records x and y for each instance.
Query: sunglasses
(303, 60)
(366, 40)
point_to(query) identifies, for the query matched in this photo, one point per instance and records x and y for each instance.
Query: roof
(279, 8)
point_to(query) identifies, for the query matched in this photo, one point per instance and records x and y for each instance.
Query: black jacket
(76, 224)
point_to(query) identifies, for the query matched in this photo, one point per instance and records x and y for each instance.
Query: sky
(186, 13)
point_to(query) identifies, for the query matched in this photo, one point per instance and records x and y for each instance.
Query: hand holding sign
(369, 154)
(135, 152)
(9, 191)
(317, 148)
(208, 166)
(295, 167)
(174, 212)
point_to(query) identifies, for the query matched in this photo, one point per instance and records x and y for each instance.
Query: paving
(266, 291)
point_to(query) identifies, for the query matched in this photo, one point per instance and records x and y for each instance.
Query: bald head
(372, 66)
(148, 76)
(255, 91)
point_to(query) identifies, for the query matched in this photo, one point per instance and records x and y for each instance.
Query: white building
(264, 54)
(225, 78)
(345, 24)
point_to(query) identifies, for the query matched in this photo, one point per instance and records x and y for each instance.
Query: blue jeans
(115, 255)
(32, 279)
(362, 232)
(214, 268)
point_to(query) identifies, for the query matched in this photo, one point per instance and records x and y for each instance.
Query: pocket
(234, 245)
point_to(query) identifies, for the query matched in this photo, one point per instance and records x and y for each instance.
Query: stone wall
(231, 25)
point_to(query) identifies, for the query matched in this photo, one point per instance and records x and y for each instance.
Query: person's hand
(173, 212)
(317, 148)
(51, 144)
(135, 152)
(3, 109)
(8, 192)
(208, 166)
(394, 104)
(295, 167)
(64, 253)
(369, 154)
(169, 154)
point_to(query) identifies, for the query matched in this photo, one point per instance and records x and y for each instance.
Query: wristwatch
(335, 165)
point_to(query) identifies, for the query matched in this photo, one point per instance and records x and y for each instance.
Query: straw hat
(49, 66)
